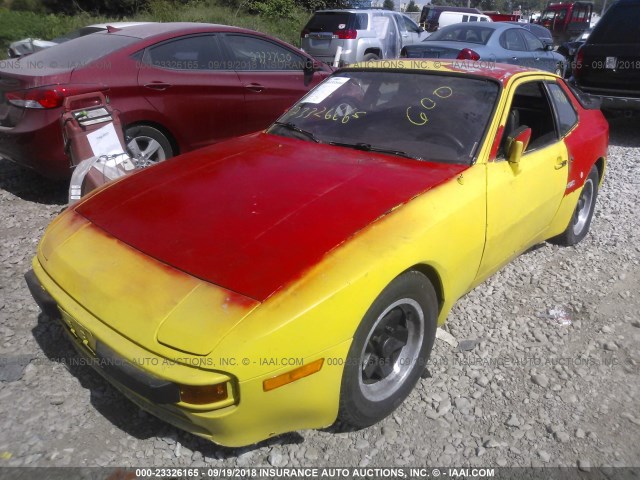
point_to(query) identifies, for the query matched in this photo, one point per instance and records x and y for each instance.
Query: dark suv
(608, 64)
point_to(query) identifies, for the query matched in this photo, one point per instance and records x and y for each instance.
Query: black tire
(369, 57)
(581, 219)
(147, 145)
(398, 331)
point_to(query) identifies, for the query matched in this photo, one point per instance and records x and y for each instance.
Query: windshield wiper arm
(295, 128)
(372, 148)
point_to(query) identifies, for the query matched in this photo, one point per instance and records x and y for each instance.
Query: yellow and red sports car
(296, 276)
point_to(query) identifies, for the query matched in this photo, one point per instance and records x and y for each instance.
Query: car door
(539, 57)
(514, 49)
(523, 198)
(188, 82)
(410, 32)
(271, 75)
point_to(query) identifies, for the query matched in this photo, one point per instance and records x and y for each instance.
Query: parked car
(568, 49)
(302, 271)
(28, 46)
(608, 64)
(490, 42)
(360, 35)
(178, 87)
(496, 16)
(566, 20)
(449, 18)
(543, 34)
(430, 15)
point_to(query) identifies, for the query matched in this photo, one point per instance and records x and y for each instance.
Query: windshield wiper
(372, 148)
(295, 128)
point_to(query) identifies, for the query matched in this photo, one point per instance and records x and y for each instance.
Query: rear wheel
(147, 145)
(389, 351)
(369, 57)
(581, 220)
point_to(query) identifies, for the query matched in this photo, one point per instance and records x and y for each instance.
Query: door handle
(157, 86)
(254, 87)
(561, 163)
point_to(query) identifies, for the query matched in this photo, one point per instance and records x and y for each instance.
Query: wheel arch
(374, 50)
(172, 139)
(601, 165)
(434, 277)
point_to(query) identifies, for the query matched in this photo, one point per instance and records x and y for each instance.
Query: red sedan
(177, 86)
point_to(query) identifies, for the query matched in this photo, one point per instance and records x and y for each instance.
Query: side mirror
(310, 66)
(517, 143)
(420, 29)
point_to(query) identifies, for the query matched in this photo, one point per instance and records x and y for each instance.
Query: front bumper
(248, 416)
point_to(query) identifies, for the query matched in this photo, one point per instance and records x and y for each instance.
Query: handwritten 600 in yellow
(428, 103)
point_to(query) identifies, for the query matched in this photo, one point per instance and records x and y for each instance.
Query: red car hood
(252, 214)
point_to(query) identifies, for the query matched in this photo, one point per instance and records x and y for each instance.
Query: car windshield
(462, 32)
(620, 26)
(420, 115)
(81, 51)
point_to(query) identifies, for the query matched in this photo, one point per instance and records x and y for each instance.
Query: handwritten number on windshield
(428, 103)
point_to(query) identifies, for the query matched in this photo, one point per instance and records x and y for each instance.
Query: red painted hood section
(252, 214)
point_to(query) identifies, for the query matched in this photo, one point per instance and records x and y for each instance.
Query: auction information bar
(268, 473)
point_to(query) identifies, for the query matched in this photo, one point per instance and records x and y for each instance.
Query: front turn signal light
(203, 394)
(293, 375)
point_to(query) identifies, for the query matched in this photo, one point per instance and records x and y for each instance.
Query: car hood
(253, 214)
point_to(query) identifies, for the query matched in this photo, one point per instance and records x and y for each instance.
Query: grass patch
(16, 25)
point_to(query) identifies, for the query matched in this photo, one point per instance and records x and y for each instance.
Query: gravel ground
(547, 371)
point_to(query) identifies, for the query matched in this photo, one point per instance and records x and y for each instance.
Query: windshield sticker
(342, 26)
(427, 103)
(325, 89)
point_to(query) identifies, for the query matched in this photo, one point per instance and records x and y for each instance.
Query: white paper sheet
(105, 141)
(325, 89)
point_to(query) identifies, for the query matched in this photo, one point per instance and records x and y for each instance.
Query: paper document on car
(325, 89)
(105, 141)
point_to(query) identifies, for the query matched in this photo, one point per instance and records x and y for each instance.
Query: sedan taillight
(36, 98)
(47, 97)
(468, 54)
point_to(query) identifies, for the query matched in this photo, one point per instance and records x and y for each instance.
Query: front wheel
(389, 350)
(581, 220)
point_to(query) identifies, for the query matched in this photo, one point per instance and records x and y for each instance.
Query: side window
(465, 18)
(473, 18)
(252, 53)
(530, 107)
(511, 40)
(402, 25)
(411, 25)
(531, 41)
(362, 21)
(482, 19)
(567, 116)
(190, 53)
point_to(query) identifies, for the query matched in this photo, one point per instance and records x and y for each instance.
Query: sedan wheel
(147, 145)
(389, 351)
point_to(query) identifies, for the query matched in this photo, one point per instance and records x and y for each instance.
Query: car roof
(501, 72)
(492, 25)
(148, 30)
(358, 10)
